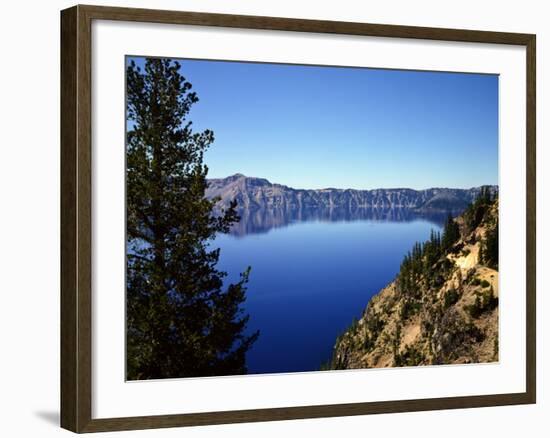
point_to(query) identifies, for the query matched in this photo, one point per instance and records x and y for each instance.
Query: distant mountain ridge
(253, 193)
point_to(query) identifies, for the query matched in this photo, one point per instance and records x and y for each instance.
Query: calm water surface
(310, 278)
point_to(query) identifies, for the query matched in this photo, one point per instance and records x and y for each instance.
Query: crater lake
(311, 277)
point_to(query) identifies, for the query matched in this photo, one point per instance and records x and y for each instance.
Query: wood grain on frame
(76, 226)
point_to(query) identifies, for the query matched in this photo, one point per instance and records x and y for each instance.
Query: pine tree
(181, 321)
(451, 233)
(476, 210)
(490, 248)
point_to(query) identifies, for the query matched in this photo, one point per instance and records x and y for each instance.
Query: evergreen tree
(432, 252)
(451, 233)
(476, 211)
(181, 321)
(490, 248)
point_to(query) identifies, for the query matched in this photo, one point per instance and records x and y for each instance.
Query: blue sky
(316, 127)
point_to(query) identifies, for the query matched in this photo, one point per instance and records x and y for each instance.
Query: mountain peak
(234, 177)
(249, 180)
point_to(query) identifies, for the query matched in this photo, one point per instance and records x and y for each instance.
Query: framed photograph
(270, 218)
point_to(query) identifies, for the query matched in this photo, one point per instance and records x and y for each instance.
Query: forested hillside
(442, 307)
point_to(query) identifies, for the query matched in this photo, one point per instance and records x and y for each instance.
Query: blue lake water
(310, 278)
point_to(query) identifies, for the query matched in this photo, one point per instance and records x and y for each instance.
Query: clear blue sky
(315, 127)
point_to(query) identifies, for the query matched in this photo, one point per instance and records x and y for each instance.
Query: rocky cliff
(258, 193)
(442, 308)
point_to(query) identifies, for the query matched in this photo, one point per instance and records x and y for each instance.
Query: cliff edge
(442, 308)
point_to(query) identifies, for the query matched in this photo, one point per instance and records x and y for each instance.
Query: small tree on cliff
(489, 248)
(476, 210)
(180, 320)
(451, 233)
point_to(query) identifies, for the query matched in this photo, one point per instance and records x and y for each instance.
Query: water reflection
(260, 221)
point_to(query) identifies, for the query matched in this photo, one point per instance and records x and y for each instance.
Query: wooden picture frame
(76, 217)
